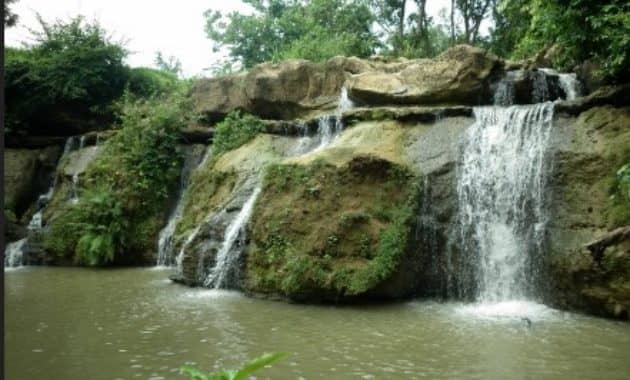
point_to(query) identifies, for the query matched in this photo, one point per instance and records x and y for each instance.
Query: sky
(173, 28)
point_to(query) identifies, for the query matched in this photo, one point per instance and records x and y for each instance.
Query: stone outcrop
(596, 277)
(461, 75)
(297, 88)
(27, 173)
(589, 270)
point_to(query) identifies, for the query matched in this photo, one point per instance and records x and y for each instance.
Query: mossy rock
(321, 232)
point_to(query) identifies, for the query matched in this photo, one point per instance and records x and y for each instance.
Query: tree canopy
(319, 29)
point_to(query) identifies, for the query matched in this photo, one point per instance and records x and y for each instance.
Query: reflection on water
(132, 324)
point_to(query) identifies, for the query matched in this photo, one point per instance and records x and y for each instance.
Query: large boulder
(461, 75)
(275, 91)
(27, 173)
(298, 88)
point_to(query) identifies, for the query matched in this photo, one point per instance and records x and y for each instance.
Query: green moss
(299, 251)
(204, 196)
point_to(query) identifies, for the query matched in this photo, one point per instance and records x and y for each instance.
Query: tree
(280, 29)
(170, 65)
(10, 18)
(473, 13)
(67, 78)
(583, 30)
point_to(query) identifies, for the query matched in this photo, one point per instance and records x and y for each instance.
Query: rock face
(27, 173)
(588, 151)
(346, 234)
(295, 88)
(461, 75)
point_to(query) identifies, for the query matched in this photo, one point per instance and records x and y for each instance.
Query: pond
(74, 323)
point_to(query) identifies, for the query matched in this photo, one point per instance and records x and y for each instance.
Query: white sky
(176, 28)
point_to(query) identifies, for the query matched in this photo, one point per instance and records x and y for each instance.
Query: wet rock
(27, 173)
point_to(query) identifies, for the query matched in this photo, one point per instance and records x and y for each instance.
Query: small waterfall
(82, 142)
(501, 197)
(13, 253)
(225, 262)
(568, 82)
(166, 237)
(74, 187)
(505, 93)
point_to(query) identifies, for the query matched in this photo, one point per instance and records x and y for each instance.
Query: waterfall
(14, 251)
(75, 193)
(166, 237)
(329, 126)
(501, 196)
(219, 275)
(226, 259)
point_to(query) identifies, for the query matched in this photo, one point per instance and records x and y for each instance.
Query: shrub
(146, 82)
(234, 374)
(235, 130)
(70, 75)
(127, 186)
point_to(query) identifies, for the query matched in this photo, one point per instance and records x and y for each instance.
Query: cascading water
(166, 237)
(218, 276)
(501, 196)
(226, 260)
(14, 252)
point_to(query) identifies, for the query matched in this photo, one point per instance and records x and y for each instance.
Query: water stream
(14, 251)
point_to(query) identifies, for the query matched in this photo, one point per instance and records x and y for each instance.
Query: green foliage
(93, 230)
(619, 209)
(126, 187)
(583, 29)
(298, 252)
(233, 374)
(72, 72)
(170, 65)
(146, 82)
(279, 29)
(235, 130)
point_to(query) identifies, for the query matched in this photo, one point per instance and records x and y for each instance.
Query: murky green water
(133, 324)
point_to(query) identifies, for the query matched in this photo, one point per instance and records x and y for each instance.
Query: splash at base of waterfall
(508, 310)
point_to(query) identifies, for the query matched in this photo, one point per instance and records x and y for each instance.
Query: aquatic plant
(233, 374)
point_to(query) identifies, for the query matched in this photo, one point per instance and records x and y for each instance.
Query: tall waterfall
(226, 261)
(501, 196)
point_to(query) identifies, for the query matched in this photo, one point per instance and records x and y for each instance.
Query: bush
(234, 374)
(127, 186)
(68, 78)
(235, 130)
(146, 82)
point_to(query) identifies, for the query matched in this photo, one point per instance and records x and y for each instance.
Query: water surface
(77, 324)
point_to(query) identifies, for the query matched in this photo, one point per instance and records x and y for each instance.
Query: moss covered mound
(322, 232)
